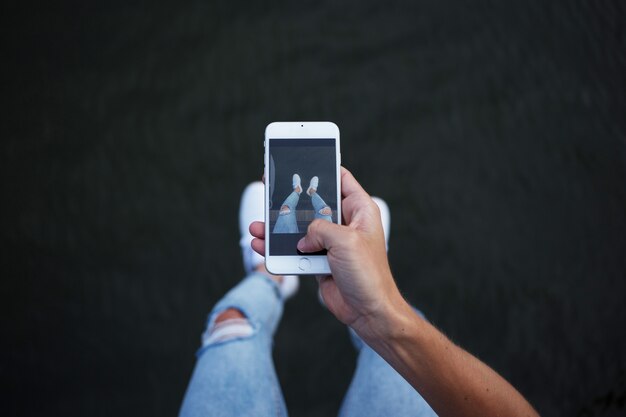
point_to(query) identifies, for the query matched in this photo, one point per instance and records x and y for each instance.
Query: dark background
(494, 130)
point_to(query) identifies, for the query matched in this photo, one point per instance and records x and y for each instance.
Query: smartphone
(302, 183)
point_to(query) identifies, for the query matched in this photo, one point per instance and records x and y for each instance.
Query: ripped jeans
(287, 223)
(237, 377)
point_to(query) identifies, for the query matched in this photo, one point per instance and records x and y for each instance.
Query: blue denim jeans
(237, 377)
(318, 205)
(287, 223)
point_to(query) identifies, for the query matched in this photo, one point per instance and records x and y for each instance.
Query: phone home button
(304, 264)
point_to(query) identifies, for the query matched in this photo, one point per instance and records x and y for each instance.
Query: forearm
(451, 380)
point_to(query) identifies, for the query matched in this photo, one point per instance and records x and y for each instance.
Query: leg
(322, 210)
(377, 389)
(234, 374)
(251, 209)
(286, 222)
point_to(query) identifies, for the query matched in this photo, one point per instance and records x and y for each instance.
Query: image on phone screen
(294, 204)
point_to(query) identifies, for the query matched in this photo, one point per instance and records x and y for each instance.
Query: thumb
(321, 234)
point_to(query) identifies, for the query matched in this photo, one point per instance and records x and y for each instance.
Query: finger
(321, 278)
(258, 246)
(349, 184)
(354, 196)
(357, 204)
(257, 229)
(330, 293)
(321, 234)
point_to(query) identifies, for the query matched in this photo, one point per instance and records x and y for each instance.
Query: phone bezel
(290, 265)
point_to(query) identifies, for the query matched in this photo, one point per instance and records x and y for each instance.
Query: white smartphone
(302, 183)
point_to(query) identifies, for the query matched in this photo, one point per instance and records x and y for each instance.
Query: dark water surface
(495, 131)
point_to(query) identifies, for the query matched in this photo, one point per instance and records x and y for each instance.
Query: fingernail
(300, 244)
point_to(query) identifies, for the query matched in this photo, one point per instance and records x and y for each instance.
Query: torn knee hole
(230, 324)
(325, 211)
(285, 210)
(228, 314)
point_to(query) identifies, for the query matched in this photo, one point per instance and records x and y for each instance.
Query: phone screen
(293, 208)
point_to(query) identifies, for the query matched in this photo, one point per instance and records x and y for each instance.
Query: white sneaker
(289, 286)
(250, 210)
(296, 183)
(385, 218)
(313, 185)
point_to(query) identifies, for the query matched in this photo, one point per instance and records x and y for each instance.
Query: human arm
(453, 382)
(362, 294)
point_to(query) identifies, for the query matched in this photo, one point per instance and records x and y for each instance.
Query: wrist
(389, 322)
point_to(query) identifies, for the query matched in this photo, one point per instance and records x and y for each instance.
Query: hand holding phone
(361, 283)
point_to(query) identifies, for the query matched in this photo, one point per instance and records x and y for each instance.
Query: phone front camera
(301, 125)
